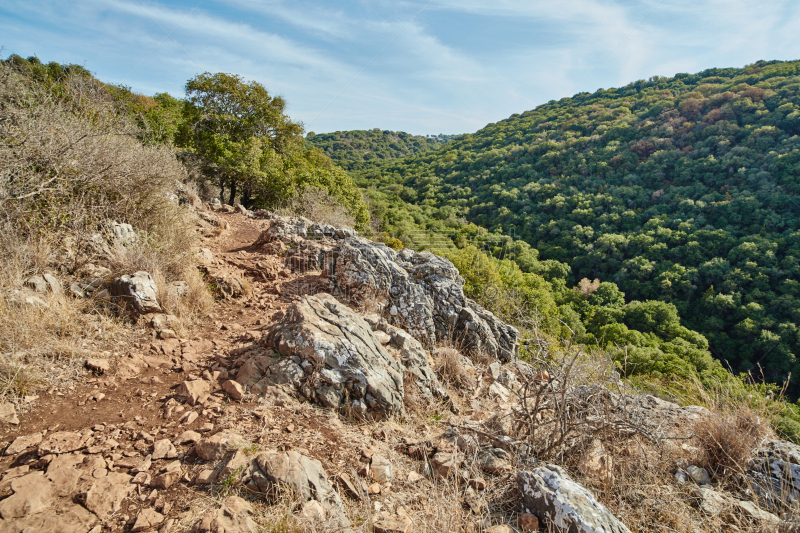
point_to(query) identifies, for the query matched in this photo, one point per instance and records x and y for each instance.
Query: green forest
(362, 149)
(678, 196)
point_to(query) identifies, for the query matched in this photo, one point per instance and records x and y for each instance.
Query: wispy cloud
(419, 65)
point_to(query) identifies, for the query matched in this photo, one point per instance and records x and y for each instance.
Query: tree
(240, 128)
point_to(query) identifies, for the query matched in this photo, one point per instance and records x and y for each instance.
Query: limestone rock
(774, 475)
(147, 519)
(137, 290)
(387, 523)
(62, 442)
(33, 494)
(164, 449)
(107, 494)
(215, 447)
(101, 366)
(381, 469)
(195, 391)
(549, 493)
(305, 477)
(596, 462)
(493, 461)
(234, 389)
(420, 292)
(699, 475)
(415, 361)
(177, 291)
(232, 517)
(229, 286)
(22, 443)
(8, 413)
(340, 357)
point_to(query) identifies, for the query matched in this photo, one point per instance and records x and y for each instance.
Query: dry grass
(69, 162)
(450, 369)
(727, 440)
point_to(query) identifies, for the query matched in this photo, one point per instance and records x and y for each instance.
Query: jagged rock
(164, 449)
(22, 443)
(232, 517)
(493, 461)
(446, 463)
(234, 389)
(101, 366)
(204, 256)
(419, 292)
(287, 228)
(712, 502)
(62, 442)
(699, 475)
(549, 493)
(235, 465)
(387, 523)
(137, 290)
(147, 519)
(303, 476)
(774, 475)
(107, 493)
(33, 493)
(415, 360)
(339, 357)
(122, 234)
(195, 391)
(8, 413)
(213, 219)
(381, 469)
(25, 298)
(228, 286)
(215, 447)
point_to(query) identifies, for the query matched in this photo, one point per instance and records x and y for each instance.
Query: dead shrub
(70, 162)
(450, 368)
(728, 440)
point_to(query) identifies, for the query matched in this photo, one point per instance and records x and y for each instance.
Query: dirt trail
(124, 411)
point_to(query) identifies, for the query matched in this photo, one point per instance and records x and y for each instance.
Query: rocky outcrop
(331, 356)
(549, 493)
(419, 292)
(303, 477)
(137, 291)
(774, 475)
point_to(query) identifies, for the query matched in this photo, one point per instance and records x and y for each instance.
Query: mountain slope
(680, 189)
(360, 149)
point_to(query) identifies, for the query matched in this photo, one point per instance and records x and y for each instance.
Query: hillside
(681, 189)
(361, 149)
(173, 363)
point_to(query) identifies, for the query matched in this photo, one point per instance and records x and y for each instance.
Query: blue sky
(425, 67)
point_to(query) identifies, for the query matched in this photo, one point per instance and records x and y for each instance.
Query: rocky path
(117, 452)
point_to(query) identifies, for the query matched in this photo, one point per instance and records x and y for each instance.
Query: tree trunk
(233, 191)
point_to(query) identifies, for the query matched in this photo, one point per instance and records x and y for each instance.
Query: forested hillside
(361, 149)
(681, 190)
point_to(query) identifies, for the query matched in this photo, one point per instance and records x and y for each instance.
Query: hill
(681, 189)
(361, 149)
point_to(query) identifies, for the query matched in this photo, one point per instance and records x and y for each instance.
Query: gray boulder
(333, 358)
(138, 291)
(549, 493)
(302, 476)
(774, 475)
